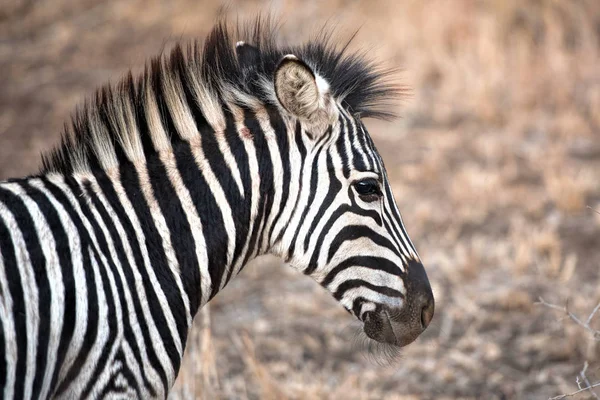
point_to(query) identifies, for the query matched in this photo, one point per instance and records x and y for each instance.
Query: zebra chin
(400, 326)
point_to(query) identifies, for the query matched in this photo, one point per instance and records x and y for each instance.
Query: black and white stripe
(163, 189)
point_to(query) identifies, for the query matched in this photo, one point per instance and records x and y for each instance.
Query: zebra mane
(125, 119)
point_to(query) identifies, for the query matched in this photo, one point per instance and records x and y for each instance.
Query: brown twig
(586, 325)
(594, 311)
(582, 378)
(594, 210)
(585, 380)
(563, 396)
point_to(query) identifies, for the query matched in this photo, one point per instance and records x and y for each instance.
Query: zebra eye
(367, 189)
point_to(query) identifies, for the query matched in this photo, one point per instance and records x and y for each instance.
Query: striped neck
(207, 206)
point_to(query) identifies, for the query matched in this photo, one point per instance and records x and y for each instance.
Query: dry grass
(493, 163)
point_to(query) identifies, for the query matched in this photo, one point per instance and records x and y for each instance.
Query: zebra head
(344, 228)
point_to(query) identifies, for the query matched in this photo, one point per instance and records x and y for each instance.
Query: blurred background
(495, 163)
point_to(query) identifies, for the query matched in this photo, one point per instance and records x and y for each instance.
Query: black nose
(402, 325)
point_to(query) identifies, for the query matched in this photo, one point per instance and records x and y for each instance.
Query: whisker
(381, 354)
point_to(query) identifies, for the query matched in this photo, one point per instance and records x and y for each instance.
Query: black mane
(364, 87)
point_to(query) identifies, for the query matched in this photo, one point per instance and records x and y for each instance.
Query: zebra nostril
(365, 317)
(427, 314)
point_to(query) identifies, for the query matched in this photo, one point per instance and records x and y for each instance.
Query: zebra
(166, 185)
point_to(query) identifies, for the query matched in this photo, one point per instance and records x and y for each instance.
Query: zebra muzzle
(400, 326)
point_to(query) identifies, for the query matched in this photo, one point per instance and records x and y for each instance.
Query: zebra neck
(205, 209)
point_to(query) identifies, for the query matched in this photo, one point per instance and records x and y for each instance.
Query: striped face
(346, 231)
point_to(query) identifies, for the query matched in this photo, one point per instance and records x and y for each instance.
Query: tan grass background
(494, 163)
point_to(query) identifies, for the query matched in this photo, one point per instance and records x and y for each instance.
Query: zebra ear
(296, 87)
